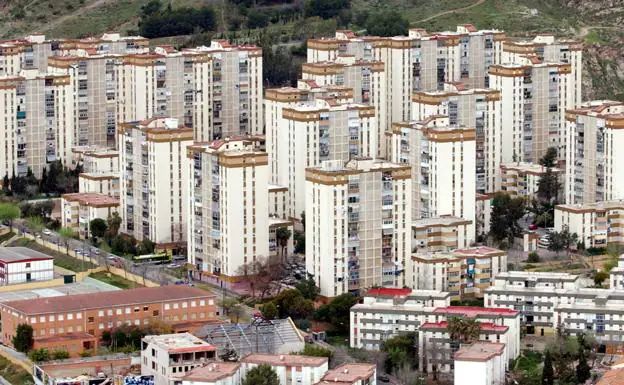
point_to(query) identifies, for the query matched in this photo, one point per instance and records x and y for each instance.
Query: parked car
(532, 226)
(46, 232)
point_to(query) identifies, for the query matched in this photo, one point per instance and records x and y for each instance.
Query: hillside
(596, 22)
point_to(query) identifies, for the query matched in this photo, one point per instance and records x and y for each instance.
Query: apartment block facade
(478, 108)
(37, 111)
(228, 204)
(442, 159)
(79, 209)
(523, 179)
(439, 234)
(593, 162)
(464, 273)
(154, 180)
(290, 369)
(360, 230)
(76, 322)
(597, 224)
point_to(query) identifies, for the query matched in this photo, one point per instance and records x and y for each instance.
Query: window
(145, 308)
(101, 326)
(33, 320)
(137, 309)
(166, 306)
(70, 316)
(155, 313)
(109, 312)
(91, 320)
(28, 265)
(51, 318)
(127, 310)
(42, 318)
(101, 313)
(119, 311)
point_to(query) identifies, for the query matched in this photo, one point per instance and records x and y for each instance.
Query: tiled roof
(485, 326)
(285, 360)
(388, 292)
(349, 373)
(479, 351)
(106, 299)
(612, 377)
(212, 372)
(475, 311)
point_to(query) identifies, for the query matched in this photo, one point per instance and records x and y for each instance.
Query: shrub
(39, 355)
(60, 354)
(533, 257)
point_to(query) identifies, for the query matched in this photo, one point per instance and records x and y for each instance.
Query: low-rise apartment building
(79, 209)
(76, 322)
(597, 224)
(154, 184)
(523, 179)
(438, 234)
(290, 369)
(483, 213)
(359, 230)
(594, 135)
(228, 205)
(387, 312)
(480, 363)
(465, 273)
(22, 265)
(616, 275)
(534, 295)
(351, 374)
(170, 357)
(216, 373)
(100, 170)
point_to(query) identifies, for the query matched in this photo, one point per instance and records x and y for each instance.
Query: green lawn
(14, 374)
(60, 258)
(6, 236)
(114, 280)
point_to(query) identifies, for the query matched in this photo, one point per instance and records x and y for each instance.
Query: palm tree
(282, 235)
(464, 330)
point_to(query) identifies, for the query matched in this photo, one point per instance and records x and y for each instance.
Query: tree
(550, 158)
(257, 19)
(387, 22)
(261, 375)
(35, 224)
(6, 184)
(562, 240)
(232, 308)
(290, 303)
(548, 187)
(395, 359)
(282, 235)
(583, 371)
(8, 213)
(506, 212)
(23, 339)
(326, 9)
(600, 277)
(337, 311)
(113, 225)
(146, 246)
(269, 311)
(66, 233)
(463, 330)
(308, 288)
(98, 227)
(548, 372)
(533, 257)
(299, 238)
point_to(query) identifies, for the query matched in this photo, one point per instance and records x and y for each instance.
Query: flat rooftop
(485, 326)
(479, 351)
(402, 292)
(285, 360)
(179, 343)
(537, 275)
(596, 206)
(21, 254)
(101, 300)
(212, 372)
(89, 285)
(475, 311)
(528, 168)
(440, 221)
(92, 199)
(349, 373)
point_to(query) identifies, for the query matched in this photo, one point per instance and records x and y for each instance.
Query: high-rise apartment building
(442, 158)
(37, 114)
(358, 230)
(534, 100)
(594, 158)
(366, 78)
(228, 204)
(312, 132)
(478, 108)
(154, 182)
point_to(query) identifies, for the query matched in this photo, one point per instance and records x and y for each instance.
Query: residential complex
(597, 224)
(358, 230)
(523, 179)
(228, 207)
(154, 183)
(444, 233)
(480, 363)
(290, 369)
(594, 135)
(442, 160)
(100, 170)
(79, 209)
(464, 273)
(169, 357)
(76, 322)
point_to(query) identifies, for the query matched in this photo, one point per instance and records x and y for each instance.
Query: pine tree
(583, 371)
(5, 184)
(548, 372)
(43, 184)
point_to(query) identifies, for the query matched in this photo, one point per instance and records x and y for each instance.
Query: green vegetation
(506, 212)
(127, 338)
(400, 352)
(336, 312)
(156, 22)
(316, 351)
(14, 374)
(261, 375)
(8, 213)
(23, 339)
(114, 280)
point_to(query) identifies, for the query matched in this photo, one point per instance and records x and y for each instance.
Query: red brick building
(76, 322)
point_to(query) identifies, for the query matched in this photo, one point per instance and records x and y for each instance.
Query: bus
(161, 258)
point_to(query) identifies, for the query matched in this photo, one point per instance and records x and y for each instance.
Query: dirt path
(79, 11)
(475, 4)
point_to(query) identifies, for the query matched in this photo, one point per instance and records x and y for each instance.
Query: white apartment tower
(37, 114)
(478, 108)
(594, 157)
(359, 229)
(534, 100)
(153, 181)
(228, 204)
(442, 158)
(312, 132)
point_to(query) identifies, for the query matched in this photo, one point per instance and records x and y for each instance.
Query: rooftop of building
(444, 221)
(21, 254)
(92, 199)
(212, 372)
(388, 292)
(476, 312)
(612, 377)
(322, 105)
(595, 206)
(599, 107)
(156, 124)
(528, 168)
(284, 360)
(478, 252)
(479, 351)
(537, 276)
(359, 164)
(485, 326)
(349, 373)
(95, 151)
(110, 299)
(179, 343)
